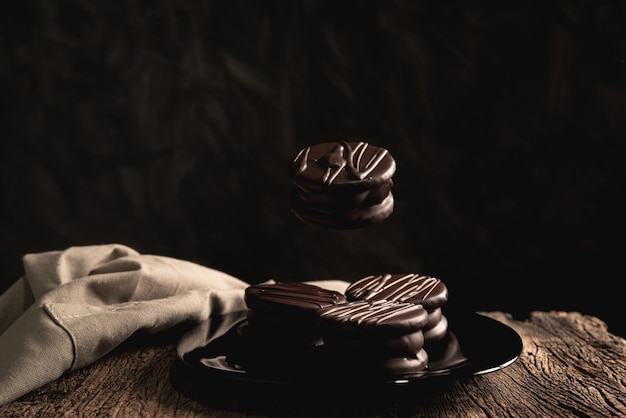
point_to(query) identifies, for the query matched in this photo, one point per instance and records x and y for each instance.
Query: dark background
(168, 126)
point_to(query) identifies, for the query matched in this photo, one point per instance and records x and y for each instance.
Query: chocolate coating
(436, 332)
(434, 317)
(342, 184)
(353, 218)
(402, 365)
(332, 166)
(375, 337)
(428, 291)
(376, 317)
(339, 202)
(290, 297)
(405, 345)
(281, 316)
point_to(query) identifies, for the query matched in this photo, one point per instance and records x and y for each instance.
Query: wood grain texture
(570, 366)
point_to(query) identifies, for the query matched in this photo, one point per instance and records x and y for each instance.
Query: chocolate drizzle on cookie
(379, 313)
(341, 157)
(426, 290)
(342, 184)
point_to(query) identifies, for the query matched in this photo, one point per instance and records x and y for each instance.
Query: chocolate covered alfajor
(283, 314)
(342, 184)
(281, 333)
(380, 338)
(427, 291)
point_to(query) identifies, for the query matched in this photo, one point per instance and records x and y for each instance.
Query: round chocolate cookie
(427, 291)
(284, 313)
(281, 333)
(293, 297)
(380, 337)
(342, 184)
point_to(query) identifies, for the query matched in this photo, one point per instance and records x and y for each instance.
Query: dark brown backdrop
(167, 126)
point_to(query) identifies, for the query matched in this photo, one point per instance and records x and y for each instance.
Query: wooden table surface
(570, 365)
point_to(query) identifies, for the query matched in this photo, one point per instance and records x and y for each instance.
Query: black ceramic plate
(215, 350)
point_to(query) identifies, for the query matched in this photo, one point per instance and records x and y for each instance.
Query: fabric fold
(35, 351)
(74, 306)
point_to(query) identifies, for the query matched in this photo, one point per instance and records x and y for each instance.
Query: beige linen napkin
(73, 306)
